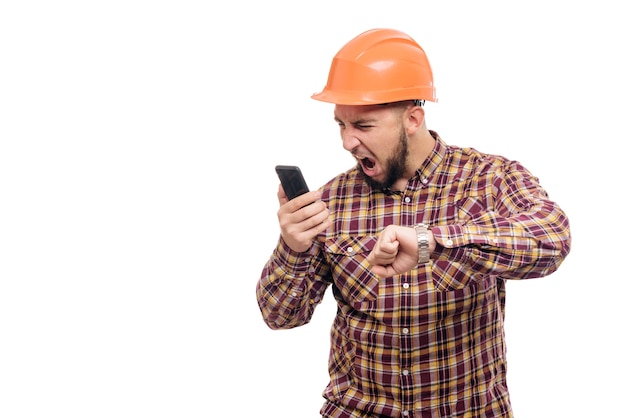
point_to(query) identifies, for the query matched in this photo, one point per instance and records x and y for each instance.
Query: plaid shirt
(428, 343)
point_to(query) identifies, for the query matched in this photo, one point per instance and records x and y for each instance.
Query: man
(417, 242)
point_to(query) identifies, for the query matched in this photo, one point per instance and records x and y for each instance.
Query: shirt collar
(428, 167)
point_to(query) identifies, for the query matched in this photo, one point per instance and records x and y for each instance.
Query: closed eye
(360, 125)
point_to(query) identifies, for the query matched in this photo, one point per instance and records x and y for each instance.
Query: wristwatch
(423, 255)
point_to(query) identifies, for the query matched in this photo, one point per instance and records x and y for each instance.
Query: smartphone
(292, 180)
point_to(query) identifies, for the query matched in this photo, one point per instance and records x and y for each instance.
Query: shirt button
(424, 180)
(449, 243)
(405, 372)
(405, 285)
(350, 249)
(405, 413)
(405, 330)
(294, 294)
(407, 199)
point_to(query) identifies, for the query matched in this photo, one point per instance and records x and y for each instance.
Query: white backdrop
(138, 197)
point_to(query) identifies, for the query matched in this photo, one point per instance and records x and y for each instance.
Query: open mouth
(367, 165)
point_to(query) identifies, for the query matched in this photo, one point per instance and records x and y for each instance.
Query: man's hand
(301, 219)
(395, 251)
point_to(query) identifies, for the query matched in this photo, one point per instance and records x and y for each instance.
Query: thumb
(383, 271)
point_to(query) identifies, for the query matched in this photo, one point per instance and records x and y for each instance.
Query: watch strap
(423, 255)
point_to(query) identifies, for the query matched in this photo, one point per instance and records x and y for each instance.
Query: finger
(307, 198)
(282, 197)
(381, 259)
(387, 249)
(383, 271)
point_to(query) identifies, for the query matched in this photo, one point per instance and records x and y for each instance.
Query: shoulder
(349, 182)
(461, 156)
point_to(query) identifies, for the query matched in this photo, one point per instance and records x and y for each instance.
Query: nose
(350, 140)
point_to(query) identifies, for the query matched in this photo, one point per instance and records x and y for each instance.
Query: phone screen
(292, 180)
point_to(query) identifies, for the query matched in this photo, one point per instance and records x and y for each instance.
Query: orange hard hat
(379, 66)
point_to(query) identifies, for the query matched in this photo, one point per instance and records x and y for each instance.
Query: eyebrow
(358, 121)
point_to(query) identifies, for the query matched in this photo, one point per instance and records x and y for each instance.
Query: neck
(421, 147)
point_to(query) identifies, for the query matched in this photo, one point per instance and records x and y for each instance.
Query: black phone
(292, 180)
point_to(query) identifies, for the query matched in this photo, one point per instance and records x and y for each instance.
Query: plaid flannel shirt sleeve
(292, 284)
(516, 232)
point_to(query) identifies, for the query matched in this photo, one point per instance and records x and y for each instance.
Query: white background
(138, 197)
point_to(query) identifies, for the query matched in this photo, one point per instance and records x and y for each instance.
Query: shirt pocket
(351, 275)
(469, 207)
(448, 276)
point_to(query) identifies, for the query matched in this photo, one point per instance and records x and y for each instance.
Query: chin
(373, 183)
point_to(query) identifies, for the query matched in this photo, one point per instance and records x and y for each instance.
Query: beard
(396, 165)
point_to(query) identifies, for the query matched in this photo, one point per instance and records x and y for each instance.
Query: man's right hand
(302, 218)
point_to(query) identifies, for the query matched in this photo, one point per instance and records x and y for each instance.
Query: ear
(414, 119)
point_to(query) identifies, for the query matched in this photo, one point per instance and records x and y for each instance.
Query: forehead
(363, 112)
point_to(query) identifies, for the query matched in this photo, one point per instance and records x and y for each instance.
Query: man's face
(375, 136)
